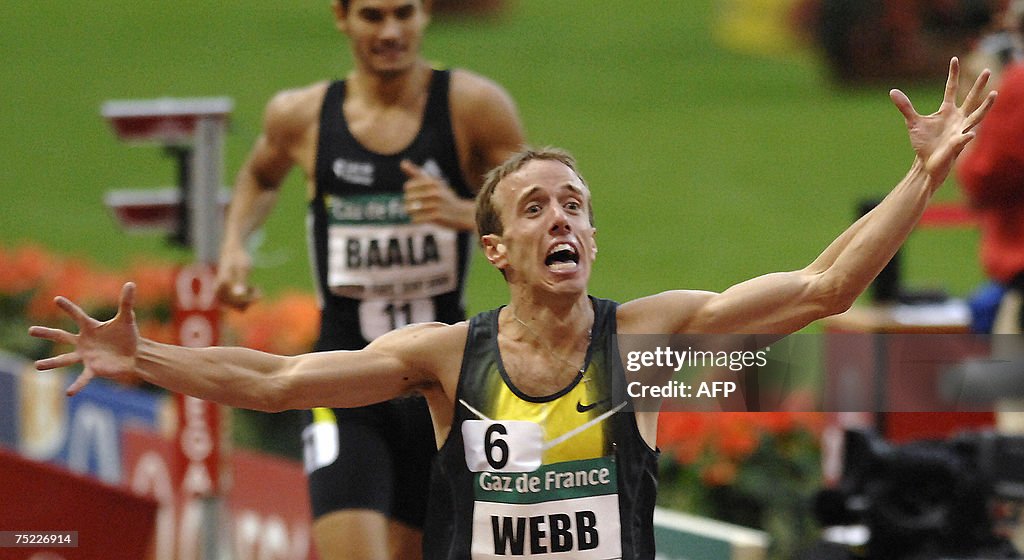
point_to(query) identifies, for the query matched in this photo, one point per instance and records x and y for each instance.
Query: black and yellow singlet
(562, 476)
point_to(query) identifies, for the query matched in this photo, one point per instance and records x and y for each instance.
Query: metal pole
(205, 226)
(206, 216)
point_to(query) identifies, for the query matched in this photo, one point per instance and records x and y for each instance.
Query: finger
(415, 187)
(233, 293)
(413, 205)
(976, 96)
(903, 103)
(238, 296)
(124, 306)
(412, 170)
(974, 118)
(63, 360)
(952, 81)
(76, 313)
(80, 382)
(962, 141)
(54, 335)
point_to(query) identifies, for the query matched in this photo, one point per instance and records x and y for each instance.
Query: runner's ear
(494, 250)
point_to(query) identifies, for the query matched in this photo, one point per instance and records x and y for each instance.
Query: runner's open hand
(939, 138)
(105, 349)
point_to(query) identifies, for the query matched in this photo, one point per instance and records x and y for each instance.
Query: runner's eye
(405, 12)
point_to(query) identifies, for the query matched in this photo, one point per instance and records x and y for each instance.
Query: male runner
(392, 156)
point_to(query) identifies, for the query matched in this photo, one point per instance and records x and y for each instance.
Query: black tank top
(374, 270)
(572, 479)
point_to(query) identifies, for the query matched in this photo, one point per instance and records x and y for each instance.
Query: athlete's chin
(567, 283)
(392, 64)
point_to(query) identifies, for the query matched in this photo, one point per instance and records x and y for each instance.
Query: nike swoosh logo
(581, 408)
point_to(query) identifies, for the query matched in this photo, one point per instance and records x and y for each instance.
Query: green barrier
(681, 536)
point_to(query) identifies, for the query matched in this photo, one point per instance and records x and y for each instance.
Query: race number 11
(502, 446)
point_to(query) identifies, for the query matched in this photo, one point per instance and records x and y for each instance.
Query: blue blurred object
(984, 303)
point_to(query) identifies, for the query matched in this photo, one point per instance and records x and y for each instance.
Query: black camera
(928, 499)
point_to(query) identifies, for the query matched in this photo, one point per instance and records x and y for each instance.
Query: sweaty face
(547, 241)
(385, 34)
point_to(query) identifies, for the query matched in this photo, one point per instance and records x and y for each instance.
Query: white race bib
(502, 446)
(319, 445)
(379, 316)
(373, 251)
(564, 510)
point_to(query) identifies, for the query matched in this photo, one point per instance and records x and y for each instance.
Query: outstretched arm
(393, 365)
(787, 301)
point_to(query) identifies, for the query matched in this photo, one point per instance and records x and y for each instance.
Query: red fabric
(991, 173)
(112, 523)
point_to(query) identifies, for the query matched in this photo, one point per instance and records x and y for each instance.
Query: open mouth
(562, 257)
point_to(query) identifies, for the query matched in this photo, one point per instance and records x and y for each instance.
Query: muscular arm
(787, 301)
(287, 118)
(486, 115)
(410, 359)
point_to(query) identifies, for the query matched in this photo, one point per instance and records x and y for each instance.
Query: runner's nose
(560, 221)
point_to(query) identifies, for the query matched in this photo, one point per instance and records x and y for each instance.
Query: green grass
(708, 166)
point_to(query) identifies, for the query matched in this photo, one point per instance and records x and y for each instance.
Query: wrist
(919, 173)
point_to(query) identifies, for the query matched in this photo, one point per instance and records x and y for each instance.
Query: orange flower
(719, 473)
(76, 280)
(288, 325)
(160, 331)
(154, 283)
(254, 328)
(298, 319)
(24, 268)
(685, 434)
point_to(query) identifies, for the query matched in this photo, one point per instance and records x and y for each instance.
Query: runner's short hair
(488, 219)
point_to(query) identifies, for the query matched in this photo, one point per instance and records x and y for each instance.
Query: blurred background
(716, 140)
(722, 139)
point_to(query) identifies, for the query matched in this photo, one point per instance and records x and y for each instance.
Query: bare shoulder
(475, 95)
(486, 121)
(293, 111)
(665, 312)
(432, 348)
(468, 86)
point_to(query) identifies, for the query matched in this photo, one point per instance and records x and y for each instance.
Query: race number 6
(492, 443)
(502, 446)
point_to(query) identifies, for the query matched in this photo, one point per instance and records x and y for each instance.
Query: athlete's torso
(562, 476)
(374, 270)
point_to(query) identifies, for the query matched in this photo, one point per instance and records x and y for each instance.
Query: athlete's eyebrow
(528, 192)
(576, 189)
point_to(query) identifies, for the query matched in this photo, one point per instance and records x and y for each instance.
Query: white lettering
(715, 389)
(196, 331)
(195, 288)
(592, 477)
(669, 358)
(152, 478)
(94, 432)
